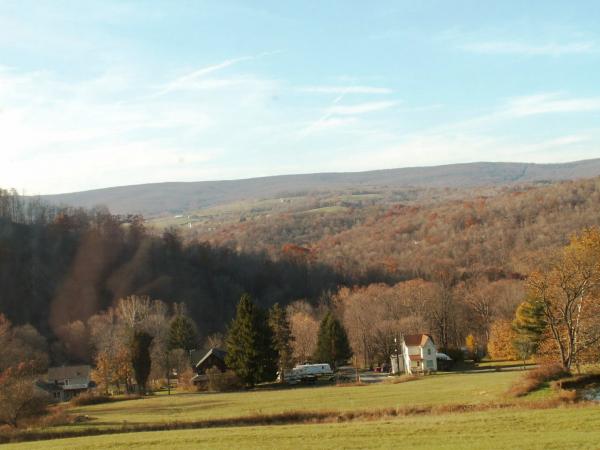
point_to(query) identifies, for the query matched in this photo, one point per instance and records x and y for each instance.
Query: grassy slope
(438, 389)
(527, 429)
(517, 427)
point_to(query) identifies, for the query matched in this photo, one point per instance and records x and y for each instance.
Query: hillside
(480, 232)
(60, 268)
(177, 198)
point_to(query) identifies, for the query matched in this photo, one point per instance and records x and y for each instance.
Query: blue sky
(100, 93)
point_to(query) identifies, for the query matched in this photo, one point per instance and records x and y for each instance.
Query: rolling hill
(178, 197)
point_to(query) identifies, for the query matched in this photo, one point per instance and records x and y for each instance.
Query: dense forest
(58, 266)
(451, 267)
(497, 233)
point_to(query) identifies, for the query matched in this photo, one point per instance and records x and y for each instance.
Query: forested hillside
(449, 262)
(59, 266)
(160, 199)
(459, 265)
(495, 233)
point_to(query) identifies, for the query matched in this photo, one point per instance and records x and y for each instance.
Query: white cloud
(436, 148)
(530, 49)
(332, 123)
(361, 108)
(346, 90)
(189, 80)
(64, 136)
(193, 80)
(550, 103)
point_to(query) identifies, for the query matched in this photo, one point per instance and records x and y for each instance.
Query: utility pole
(168, 373)
(397, 356)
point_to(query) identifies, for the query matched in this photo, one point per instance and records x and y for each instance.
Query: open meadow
(462, 410)
(558, 428)
(432, 390)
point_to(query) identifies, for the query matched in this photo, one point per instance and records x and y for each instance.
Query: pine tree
(529, 325)
(282, 338)
(182, 333)
(250, 349)
(332, 344)
(140, 358)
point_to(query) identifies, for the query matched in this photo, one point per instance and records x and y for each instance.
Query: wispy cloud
(530, 49)
(550, 103)
(346, 90)
(104, 125)
(332, 123)
(193, 80)
(329, 121)
(361, 108)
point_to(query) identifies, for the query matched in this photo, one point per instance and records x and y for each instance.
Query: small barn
(214, 357)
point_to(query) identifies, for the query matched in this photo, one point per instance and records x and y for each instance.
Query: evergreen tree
(529, 325)
(182, 333)
(250, 349)
(140, 358)
(332, 344)
(282, 338)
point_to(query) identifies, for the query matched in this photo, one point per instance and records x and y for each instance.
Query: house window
(429, 364)
(418, 363)
(429, 351)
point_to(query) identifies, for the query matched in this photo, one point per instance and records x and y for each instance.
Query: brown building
(215, 357)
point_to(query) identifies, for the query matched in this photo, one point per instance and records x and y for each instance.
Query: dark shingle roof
(213, 351)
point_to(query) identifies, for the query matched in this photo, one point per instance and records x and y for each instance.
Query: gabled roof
(415, 357)
(217, 352)
(68, 372)
(416, 340)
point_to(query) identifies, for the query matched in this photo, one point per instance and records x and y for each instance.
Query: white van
(308, 373)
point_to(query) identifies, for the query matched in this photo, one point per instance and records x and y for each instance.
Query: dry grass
(288, 418)
(536, 378)
(403, 379)
(535, 429)
(89, 398)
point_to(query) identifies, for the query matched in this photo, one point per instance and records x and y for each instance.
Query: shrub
(456, 354)
(567, 396)
(56, 417)
(184, 380)
(90, 398)
(222, 381)
(547, 372)
(534, 379)
(18, 398)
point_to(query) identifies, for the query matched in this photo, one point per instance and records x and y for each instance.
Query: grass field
(565, 427)
(437, 389)
(515, 426)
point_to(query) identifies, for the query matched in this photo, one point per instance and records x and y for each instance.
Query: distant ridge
(171, 197)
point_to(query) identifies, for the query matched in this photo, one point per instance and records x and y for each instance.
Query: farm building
(416, 354)
(214, 357)
(65, 382)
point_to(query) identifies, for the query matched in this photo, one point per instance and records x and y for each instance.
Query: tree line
(59, 267)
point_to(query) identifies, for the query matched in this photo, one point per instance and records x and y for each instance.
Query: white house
(416, 354)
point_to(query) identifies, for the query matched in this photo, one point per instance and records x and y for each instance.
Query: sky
(104, 93)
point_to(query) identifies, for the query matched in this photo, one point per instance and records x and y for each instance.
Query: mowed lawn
(559, 428)
(431, 390)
